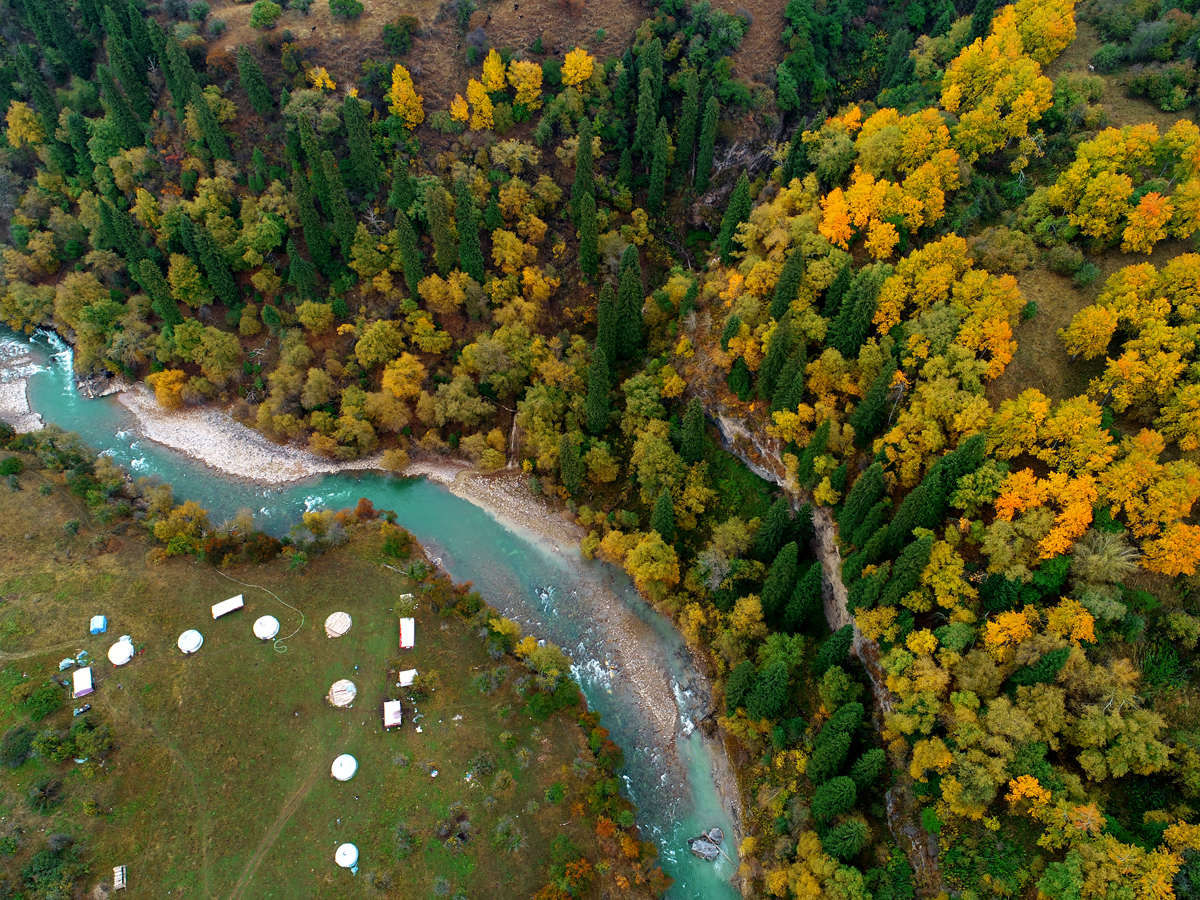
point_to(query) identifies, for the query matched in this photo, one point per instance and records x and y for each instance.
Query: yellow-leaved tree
(403, 99)
(526, 78)
(577, 67)
(481, 106)
(459, 110)
(493, 72)
(24, 126)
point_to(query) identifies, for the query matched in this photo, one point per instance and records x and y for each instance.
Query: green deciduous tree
(736, 212)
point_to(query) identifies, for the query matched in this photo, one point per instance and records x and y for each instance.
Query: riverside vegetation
(832, 257)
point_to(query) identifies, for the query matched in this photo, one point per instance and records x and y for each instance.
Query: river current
(550, 589)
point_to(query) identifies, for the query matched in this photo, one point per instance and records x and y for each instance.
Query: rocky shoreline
(15, 366)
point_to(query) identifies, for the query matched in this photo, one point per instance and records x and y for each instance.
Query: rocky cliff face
(761, 454)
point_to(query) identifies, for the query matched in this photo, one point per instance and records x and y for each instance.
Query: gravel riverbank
(15, 366)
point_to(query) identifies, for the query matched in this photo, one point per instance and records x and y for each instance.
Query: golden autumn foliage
(577, 67)
(403, 99)
(492, 78)
(526, 79)
(24, 126)
(481, 106)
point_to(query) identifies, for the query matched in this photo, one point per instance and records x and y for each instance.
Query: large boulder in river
(715, 835)
(705, 849)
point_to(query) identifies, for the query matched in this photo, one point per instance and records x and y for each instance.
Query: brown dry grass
(761, 49)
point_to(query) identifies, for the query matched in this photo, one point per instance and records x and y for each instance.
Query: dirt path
(276, 829)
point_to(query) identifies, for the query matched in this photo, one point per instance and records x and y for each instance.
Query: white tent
(99, 625)
(121, 652)
(392, 713)
(227, 606)
(346, 856)
(266, 628)
(83, 682)
(191, 641)
(408, 633)
(407, 676)
(337, 624)
(344, 767)
(342, 693)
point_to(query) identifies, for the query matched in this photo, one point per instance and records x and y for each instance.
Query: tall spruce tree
(77, 132)
(981, 20)
(570, 464)
(585, 183)
(658, 169)
(589, 237)
(151, 279)
(597, 405)
(210, 128)
(404, 189)
(364, 165)
(410, 252)
(693, 444)
(788, 285)
(652, 59)
(39, 91)
(302, 275)
(179, 74)
(625, 169)
(871, 414)
(445, 250)
(254, 83)
(779, 351)
(120, 110)
(737, 212)
(315, 235)
(866, 492)
(662, 519)
(606, 322)
(77, 53)
(789, 386)
(806, 598)
(629, 305)
(343, 218)
(689, 115)
(470, 255)
(312, 152)
(831, 303)
(774, 531)
(707, 144)
(216, 267)
(781, 579)
(853, 323)
(121, 55)
(647, 117)
(140, 35)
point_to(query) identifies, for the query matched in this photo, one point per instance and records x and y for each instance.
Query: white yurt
(342, 693)
(191, 641)
(344, 767)
(266, 627)
(121, 652)
(337, 624)
(346, 856)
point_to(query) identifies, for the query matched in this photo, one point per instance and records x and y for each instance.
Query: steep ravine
(761, 455)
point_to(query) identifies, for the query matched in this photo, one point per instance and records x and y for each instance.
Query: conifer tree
(445, 250)
(871, 414)
(788, 285)
(570, 464)
(78, 135)
(259, 171)
(707, 144)
(140, 36)
(629, 305)
(597, 397)
(834, 651)
(210, 128)
(906, 573)
(302, 275)
(647, 117)
(774, 530)
(343, 219)
(737, 212)
(216, 267)
(254, 83)
(584, 176)
(806, 599)
(831, 303)
(180, 76)
(652, 58)
(781, 578)
(662, 519)
(589, 237)
(867, 491)
(815, 448)
(769, 693)
(924, 507)
(187, 236)
(866, 771)
(828, 757)
(120, 110)
(312, 152)
(981, 20)
(410, 252)
(89, 15)
(689, 116)
(470, 255)
(625, 168)
(740, 380)
(120, 55)
(124, 233)
(693, 444)
(894, 64)
(796, 163)
(738, 685)
(688, 303)
(77, 54)
(492, 218)
(779, 351)
(846, 841)
(853, 323)
(606, 322)
(404, 189)
(151, 279)
(364, 165)
(38, 89)
(658, 169)
(314, 232)
(789, 387)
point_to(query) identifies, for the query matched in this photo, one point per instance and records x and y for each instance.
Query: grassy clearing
(219, 783)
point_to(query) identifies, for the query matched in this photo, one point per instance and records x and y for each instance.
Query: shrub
(1064, 259)
(45, 794)
(1087, 274)
(345, 9)
(264, 14)
(13, 465)
(43, 701)
(1029, 310)
(1001, 249)
(398, 35)
(556, 793)
(16, 745)
(216, 28)
(198, 12)
(1108, 58)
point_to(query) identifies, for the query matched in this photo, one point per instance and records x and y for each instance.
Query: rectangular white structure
(83, 682)
(227, 606)
(392, 713)
(119, 879)
(408, 634)
(407, 676)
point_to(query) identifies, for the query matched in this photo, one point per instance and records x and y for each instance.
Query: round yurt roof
(346, 856)
(190, 641)
(344, 767)
(266, 628)
(342, 692)
(120, 653)
(337, 624)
